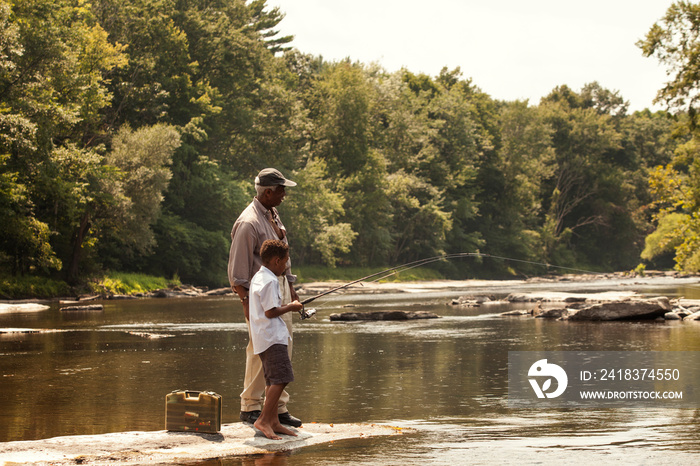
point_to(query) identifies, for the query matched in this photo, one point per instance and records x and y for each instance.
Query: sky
(511, 49)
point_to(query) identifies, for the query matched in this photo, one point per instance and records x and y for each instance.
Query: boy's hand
(295, 306)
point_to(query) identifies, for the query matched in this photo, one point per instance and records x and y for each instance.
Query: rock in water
(162, 447)
(648, 309)
(517, 312)
(89, 307)
(383, 315)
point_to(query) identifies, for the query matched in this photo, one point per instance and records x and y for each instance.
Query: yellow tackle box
(193, 411)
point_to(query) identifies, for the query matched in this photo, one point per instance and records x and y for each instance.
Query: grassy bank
(32, 287)
(132, 283)
(113, 283)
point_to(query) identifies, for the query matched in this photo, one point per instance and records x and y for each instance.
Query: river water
(446, 378)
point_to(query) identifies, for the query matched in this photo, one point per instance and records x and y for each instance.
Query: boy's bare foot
(280, 429)
(267, 430)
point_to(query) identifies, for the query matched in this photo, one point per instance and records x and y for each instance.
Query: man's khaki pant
(254, 381)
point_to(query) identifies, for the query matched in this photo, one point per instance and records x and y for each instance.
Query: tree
(420, 221)
(420, 224)
(53, 62)
(24, 240)
(85, 193)
(231, 46)
(312, 212)
(604, 101)
(461, 142)
(675, 42)
(344, 138)
(345, 121)
(677, 198)
(522, 164)
(143, 158)
(160, 83)
(207, 68)
(587, 197)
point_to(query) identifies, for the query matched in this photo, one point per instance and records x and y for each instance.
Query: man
(257, 223)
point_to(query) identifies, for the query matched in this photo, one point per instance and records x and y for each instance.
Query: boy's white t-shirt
(265, 295)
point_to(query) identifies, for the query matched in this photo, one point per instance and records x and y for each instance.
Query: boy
(269, 333)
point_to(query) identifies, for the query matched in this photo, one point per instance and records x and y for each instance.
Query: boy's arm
(294, 306)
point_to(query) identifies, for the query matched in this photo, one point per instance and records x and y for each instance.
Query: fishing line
(381, 275)
(421, 262)
(395, 269)
(545, 264)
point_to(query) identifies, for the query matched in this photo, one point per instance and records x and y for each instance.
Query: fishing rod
(305, 314)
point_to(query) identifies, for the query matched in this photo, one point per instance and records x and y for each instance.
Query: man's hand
(246, 309)
(242, 293)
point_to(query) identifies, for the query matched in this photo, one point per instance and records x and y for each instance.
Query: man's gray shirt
(249, 232)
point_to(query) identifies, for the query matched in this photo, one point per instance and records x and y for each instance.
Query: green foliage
(420, 224)
(143, 158)
(589, 195)
(312, 213)
(675, 190)
(131, 131)
(52, 91)
(132, 283)
(13, 287)
(674, 185)
(24, 240)
(665, 238)
(190, 251)
(674, 42)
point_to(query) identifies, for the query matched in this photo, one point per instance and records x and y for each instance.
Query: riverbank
(129, 284)
(120, 284)
(174, 289)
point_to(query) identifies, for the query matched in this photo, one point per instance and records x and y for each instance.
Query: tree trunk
(77, 248)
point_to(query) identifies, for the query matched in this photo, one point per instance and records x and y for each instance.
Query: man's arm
(242, 254)
(240, 262)
(242, 293)
(293, 292)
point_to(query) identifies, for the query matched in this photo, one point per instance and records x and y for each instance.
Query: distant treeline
(131, 132)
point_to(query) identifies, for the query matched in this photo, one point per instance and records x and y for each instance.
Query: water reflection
(110, 371)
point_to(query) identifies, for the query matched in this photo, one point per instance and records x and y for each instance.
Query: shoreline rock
(22, 307)
(163, 447)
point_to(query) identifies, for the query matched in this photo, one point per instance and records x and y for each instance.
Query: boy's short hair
(272, 248)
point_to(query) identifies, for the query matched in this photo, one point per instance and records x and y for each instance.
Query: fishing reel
(307, 313)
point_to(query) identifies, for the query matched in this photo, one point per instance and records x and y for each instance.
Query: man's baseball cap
(272, 177)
